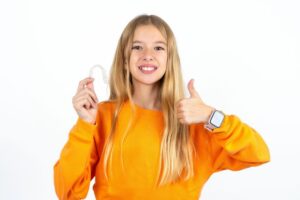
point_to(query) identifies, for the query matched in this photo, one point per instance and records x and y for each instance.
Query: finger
(90, 88)
(180, 103)
(183, 105)
(82, 84)
(182, 121)
(90, 85)
(90, 92)
(92, 103)
(87, 103)
(192, 90)
(180, 110)
(180, 115)
(82, 103)
(90, 100)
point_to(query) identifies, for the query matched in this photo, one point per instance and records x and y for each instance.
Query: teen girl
(148, 141)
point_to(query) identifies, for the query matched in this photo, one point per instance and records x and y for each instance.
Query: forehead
(147, 33)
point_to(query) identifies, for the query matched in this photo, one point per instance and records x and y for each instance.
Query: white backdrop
(244, 56)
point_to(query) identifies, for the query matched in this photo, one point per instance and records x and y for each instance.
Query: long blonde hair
(176, 153)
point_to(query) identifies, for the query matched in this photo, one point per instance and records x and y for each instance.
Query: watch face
(217, 119)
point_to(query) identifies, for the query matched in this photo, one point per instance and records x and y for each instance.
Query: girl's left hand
(193, 110)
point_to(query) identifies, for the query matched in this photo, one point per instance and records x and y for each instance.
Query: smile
(147, 69)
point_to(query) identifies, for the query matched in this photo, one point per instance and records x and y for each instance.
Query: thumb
(192, 90)
(90, 84)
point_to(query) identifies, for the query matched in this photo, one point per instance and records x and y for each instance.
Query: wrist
(88, 121)
(208, 113)
(215, 120)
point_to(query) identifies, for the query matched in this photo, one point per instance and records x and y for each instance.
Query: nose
(147, 56)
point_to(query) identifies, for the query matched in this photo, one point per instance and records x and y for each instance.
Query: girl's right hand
(85, 101)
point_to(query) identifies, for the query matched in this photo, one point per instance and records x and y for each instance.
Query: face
(148, 57)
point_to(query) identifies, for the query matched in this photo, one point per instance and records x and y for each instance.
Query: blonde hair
(176, 153)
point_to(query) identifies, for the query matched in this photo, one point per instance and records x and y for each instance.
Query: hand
(85, 101)
(193, 110)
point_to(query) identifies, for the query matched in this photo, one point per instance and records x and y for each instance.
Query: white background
(244, 56)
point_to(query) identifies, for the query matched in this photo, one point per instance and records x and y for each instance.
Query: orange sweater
(233, 146)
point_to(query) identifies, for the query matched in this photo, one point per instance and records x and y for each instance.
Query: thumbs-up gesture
(193, 110)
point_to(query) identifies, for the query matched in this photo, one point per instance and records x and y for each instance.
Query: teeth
(147, 68)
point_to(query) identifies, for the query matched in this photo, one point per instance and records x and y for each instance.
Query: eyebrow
(157, 42)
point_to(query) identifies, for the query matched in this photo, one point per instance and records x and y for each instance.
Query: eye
(137, 47)
(159, 48)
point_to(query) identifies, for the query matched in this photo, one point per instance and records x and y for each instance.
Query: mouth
(147, 69)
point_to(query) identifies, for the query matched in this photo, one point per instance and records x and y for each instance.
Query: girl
(148, 141)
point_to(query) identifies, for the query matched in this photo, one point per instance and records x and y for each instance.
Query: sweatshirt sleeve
(236, 146)
(75, 167)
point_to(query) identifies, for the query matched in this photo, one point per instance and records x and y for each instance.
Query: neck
(146, 96)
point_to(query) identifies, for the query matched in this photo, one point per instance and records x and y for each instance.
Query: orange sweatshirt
(233, 146)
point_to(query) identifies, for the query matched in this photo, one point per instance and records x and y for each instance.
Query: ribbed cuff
(83, 130)
(223, 130)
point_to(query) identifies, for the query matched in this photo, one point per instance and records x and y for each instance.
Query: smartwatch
(215, 120)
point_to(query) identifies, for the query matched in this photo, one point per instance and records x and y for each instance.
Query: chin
(148, 81)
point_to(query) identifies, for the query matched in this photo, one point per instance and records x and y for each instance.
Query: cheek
(163, 60)
(133, 59)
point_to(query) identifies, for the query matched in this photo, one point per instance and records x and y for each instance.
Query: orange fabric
(233, 146)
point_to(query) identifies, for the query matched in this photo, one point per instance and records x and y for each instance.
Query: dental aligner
(104, 77)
